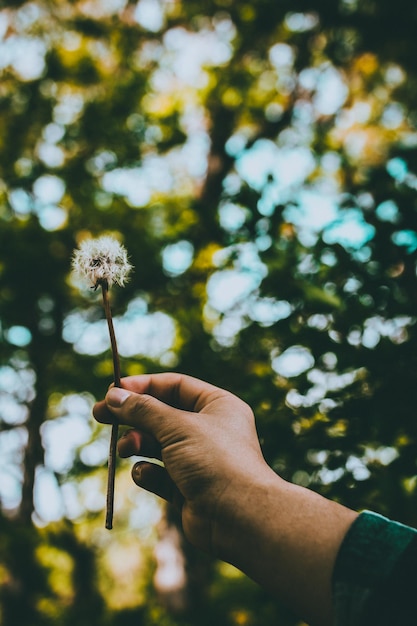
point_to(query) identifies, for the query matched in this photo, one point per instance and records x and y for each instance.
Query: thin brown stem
(111, 473)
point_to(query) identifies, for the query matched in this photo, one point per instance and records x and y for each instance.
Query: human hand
(206, 438)
(233, 505)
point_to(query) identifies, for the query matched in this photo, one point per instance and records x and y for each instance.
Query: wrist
(241, 513)
(286, 538)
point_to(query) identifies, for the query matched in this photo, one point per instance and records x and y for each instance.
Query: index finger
(178, 390)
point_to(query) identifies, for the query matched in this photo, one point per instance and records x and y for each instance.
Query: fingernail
(116, 397)
(137, 471)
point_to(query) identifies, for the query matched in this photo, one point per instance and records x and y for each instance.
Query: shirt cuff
(370, 553)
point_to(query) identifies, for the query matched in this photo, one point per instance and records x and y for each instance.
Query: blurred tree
(259, 162)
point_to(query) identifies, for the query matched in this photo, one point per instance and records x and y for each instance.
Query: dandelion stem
(115, 428)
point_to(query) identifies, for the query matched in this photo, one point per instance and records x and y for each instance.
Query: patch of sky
(405, 239)
(87, 338)
(358, 113)
(331, 91)
(395, 75)
(308, 265)
(301, 22)
(137, 184)
(397, 168)
(393, 116)
(63, 435)
(228, 288)
(68, 108)
(145, 513)
(152, 336)
(189, 52)
(319, 321)
(177, 257)
(17, 384)
(11, 411)
(292, 362)
(388, 211)
(12, 443)
(47, 150)
(138, 332)
(25, 55)
(47, 498)
(308, 78)
(70, 497)
(349, 230)
(21, 202)
(232, 216)
(303, 117)
(352, 285)
(330, 162)
(328, 476)
(91, 494)
(263, 242)
(281, 55)
(102, 8)
(130, 183)
(356, 466)
(50, 154)
(232, 184)
(274, 111)
(233, 293)
(101, 162)
(375, 327)
(236, 143)
(271, 197)
(95, 453)
(191, 157)
(323, 382)
(48, 190)
(226, 330)
(288, 167)
(75, 498)
(268, 311)
(384, 455)
(18, 336)
(328, 257)
(150, 15)
(52, 133)
(313, 213)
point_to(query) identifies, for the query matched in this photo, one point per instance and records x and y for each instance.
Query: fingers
(177, 390)
(135, 443)
(143, 412)
(155, 479)
(102, 414)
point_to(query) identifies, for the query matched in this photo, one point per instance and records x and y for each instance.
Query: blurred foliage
(259, 161)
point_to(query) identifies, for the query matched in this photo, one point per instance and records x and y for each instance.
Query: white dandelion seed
(102, 260)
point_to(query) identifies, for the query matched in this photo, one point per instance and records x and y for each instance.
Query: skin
(233, 505)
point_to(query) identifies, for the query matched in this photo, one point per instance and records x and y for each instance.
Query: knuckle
(138, 407)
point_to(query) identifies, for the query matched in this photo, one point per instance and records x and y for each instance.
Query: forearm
(286, 538)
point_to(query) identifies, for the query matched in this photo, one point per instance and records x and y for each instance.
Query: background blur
(258, 159)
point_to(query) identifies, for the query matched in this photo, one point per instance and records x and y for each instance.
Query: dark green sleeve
(375, 575)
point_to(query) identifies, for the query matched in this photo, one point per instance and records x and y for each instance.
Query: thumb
(141, 411)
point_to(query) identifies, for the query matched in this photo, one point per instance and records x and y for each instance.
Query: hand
(206, 438)
(284, 536)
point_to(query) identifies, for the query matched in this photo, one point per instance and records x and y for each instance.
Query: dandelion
(103, 262)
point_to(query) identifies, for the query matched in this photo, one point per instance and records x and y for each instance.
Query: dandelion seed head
(102, 260)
